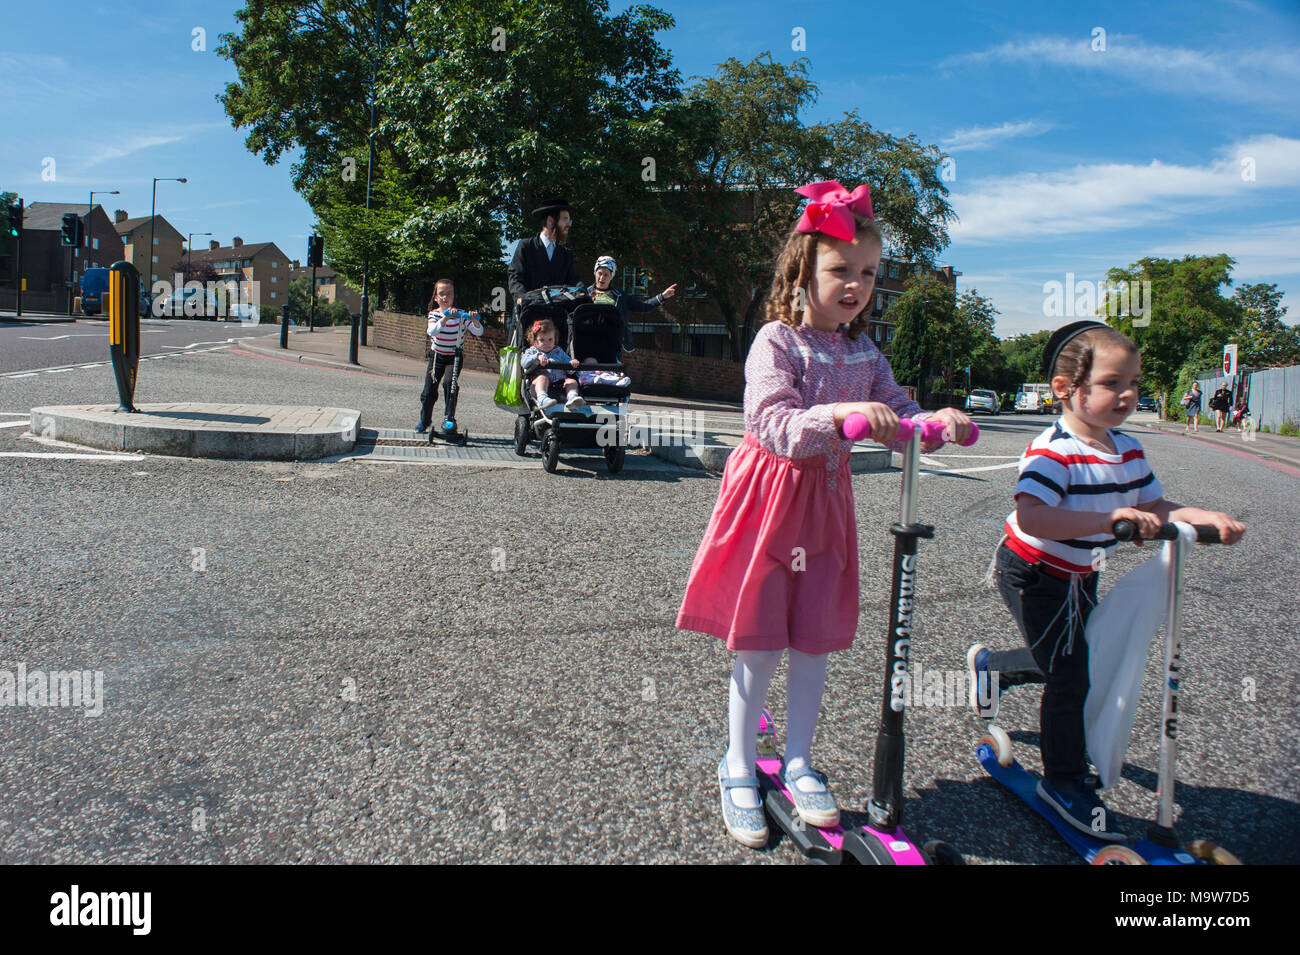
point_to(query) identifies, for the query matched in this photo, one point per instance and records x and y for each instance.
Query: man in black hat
(543, 259)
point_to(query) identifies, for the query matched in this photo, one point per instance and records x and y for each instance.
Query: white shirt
(549, 244)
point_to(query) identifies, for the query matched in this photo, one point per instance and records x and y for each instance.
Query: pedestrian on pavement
(1221, 402)
(1192, 403)
(603, 294)
(543, 259)
(446, 331)
(778, 567)
(1077, 478)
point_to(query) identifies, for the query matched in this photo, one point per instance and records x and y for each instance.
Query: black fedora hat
(1062, 337)
(553, 207)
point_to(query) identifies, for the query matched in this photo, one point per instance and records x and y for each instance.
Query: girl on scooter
(778, 568)
(1077, 478)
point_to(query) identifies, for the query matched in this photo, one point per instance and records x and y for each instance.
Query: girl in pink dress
(778, 567)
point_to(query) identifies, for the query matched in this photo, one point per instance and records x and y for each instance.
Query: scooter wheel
(998, 741)
(1117, 855)
(937, 852)
(1212, 853)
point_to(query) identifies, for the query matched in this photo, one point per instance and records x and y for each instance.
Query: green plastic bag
(509, 393)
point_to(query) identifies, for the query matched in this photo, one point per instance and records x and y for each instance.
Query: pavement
(1270, 447)
(42, 318)
(689, 432)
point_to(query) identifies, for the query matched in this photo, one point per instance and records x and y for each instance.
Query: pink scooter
(882, 841)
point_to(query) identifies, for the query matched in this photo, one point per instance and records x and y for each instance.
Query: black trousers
(1056, 654)
(433, 374)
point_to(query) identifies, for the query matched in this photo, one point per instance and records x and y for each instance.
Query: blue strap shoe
(816, 808)
(747, 826)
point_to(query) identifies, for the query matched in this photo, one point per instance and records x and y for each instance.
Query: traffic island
(197, 430)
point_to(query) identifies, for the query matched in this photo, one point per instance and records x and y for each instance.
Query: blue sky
(1068, 159)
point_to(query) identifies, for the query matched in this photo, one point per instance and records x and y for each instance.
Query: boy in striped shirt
(1076, 480)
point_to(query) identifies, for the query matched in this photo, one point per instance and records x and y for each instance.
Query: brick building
(329, 286)
(167, 246)
(255, 272)
(46, 258)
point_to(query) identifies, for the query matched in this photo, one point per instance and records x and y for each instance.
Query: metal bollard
(352, 345)
(284, 326)
(124, 329)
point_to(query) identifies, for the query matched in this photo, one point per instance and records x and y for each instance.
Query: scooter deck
(1025, 785)
(826, 845)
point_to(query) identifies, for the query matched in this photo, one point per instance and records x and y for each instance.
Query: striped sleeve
(1044, 476)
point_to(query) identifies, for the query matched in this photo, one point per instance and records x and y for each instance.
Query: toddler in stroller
(594, 412)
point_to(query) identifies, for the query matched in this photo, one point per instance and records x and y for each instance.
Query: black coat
(530, 268)
(625, 302)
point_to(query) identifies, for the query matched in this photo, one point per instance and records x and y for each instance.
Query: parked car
(187, 303)
(1146, 403)
(94, 288)
(983, 400)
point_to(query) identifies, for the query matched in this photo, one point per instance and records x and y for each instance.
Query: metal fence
(1274, 396)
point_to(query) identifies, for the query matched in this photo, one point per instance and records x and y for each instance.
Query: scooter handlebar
(1128, 531)
(856, 427)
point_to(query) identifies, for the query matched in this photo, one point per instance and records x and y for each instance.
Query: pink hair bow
(831, 209)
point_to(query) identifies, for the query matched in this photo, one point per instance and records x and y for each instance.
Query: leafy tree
(1263, 338)
(1186, 306)
(743, 147)
(484, 110)
(925, 319)
(1024, 357)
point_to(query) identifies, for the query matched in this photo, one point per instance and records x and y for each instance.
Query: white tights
(805, 680)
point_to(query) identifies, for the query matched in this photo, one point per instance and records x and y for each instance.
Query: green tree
(1186, 306)
(483, 111)
(1024, 357)
(742, 147)
(1263, 338)
(925, 320)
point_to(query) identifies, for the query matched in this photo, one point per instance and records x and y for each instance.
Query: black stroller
(586, 331)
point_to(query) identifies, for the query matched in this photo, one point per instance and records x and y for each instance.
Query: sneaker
(815, 808)
(746, 826)
(1076, 801)
(546, 401)
(575, 402)
(421, 427)
(984, 699)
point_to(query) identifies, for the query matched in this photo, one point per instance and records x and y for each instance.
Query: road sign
(1230, 361)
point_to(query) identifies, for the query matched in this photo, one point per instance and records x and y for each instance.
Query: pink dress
(778, 566)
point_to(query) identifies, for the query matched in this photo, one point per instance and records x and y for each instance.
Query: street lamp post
(153, 205)
(189, 247)
(370, 165)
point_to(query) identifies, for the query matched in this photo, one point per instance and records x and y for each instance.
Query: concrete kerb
(193, 430)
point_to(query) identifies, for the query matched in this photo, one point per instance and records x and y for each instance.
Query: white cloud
(1258, 75)
(105, 152)
(1113, 196)
(984, 137)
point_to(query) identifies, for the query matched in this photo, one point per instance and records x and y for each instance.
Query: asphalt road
(27, 345)
(393, 663)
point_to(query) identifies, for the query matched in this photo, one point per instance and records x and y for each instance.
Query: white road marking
(987, 467)
(72, 456)
(97, 364)
(55, 338)
(13, 424)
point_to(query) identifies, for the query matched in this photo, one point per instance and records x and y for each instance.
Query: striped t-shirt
(1062, 471)
(447, 329)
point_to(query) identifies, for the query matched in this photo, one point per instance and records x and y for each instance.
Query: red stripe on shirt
(1036, 556)
(1067, 459)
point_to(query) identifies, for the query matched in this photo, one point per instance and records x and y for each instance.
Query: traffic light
(315, 251)
(71, 230)
(15, 219)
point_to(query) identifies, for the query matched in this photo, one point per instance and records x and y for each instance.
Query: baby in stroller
(543, 364)
(595, 387)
